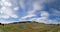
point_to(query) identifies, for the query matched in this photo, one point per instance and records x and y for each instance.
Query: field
(29, 27)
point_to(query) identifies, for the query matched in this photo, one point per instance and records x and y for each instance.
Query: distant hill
(29, 27)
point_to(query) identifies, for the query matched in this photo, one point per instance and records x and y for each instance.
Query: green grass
(29, 27)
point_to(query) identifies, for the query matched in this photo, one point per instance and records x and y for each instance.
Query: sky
(42, 11)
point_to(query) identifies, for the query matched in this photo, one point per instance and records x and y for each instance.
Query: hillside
(29, 27)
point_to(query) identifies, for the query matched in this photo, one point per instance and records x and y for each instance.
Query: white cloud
(6, 11)
(28, 16)
(4, 16)
(40, 20)
(15, 8)
(3, 0)
(9, 12)
(14, 16)
(36, 7)
(44, 20)
(5, 3)
(1, 12)
(44, 14)
(7, 22)
(22, 4)
(55, 12)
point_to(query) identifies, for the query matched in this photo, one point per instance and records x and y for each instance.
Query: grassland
(29, 27)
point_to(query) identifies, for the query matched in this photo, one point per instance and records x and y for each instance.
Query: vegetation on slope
(29, 27)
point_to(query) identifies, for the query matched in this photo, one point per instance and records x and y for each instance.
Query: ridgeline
(29, 26)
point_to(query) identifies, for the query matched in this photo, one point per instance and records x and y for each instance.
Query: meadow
(29, 27)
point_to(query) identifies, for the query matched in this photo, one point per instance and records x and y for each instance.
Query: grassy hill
(29, 27)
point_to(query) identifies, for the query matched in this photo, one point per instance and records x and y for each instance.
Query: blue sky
(42, 11)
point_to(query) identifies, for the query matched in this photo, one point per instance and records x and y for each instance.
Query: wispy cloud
(44, 13)
(31, 13)
(44, 20)
(55, 12)
(22, 4)
(6, 9)
(16, 8)
(6, 22)
(38, 6)
(4, 16)
(9, 12)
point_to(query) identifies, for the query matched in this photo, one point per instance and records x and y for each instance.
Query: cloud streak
(29, 7)
(38, 6)
(6, 10)
(7, 22)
